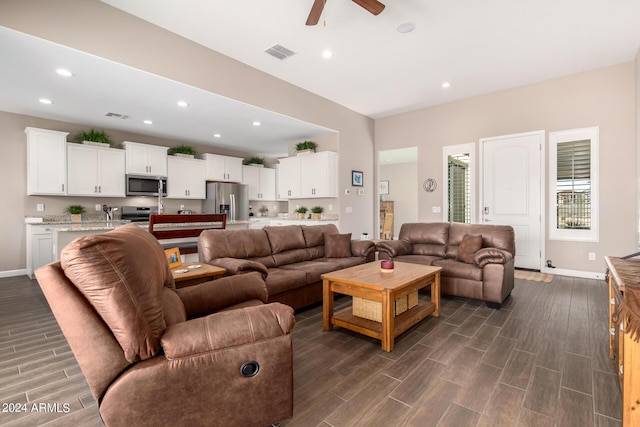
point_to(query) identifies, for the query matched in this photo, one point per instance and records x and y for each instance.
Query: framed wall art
(357, 178)
(383, 187)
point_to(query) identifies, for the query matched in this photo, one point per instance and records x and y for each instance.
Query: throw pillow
(468, 247)
(337, 245)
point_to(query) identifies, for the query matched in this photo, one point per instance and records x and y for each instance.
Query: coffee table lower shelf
(345, 319)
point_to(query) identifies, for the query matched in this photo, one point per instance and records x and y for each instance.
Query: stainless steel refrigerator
(229, 198)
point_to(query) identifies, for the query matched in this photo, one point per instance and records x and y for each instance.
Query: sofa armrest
(394, 248)
(238, 266)
(227, 329)
(362, 248)
(208, 297)
(491, 256)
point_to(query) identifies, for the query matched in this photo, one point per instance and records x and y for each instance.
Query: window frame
(575, 235)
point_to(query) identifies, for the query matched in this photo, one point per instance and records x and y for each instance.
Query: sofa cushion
(291, 256)
(337, 245)
(314, 234)
(283, 279)
(426, 238)
(285, 238)
(242, 244)
(341, 263)
(453, 268)
(468, 247)
(417, 259)
(314, 269)
(493, 236)
(122, 274)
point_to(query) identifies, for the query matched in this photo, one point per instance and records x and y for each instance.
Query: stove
(138, 213)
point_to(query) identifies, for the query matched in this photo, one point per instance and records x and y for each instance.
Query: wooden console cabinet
(622, 347)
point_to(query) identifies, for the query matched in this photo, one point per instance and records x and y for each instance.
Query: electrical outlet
(592, 256)
(436, 209)
(330, 207)
(98, 207)
(40, 207)
(348, 209)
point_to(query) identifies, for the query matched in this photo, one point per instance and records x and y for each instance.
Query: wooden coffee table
(368, 282)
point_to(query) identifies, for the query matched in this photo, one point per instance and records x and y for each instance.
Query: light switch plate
(360, 191)
(40, 207)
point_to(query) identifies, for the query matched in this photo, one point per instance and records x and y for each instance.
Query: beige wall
(603, 97)
(403, 190)
(125, 39)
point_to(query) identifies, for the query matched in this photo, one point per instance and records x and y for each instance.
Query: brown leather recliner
(147, 364)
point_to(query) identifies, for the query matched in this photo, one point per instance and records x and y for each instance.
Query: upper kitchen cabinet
(261, 182)
(46, 162)
(95, 171)
(289, 178)
(311, 176)
(223, 168)
(186, 178)
(145, 159)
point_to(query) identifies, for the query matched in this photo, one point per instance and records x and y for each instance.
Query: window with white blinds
(573, 170)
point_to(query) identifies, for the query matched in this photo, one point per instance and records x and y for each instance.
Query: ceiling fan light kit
(372, 6)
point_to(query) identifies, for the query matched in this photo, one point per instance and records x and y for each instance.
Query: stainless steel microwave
(142, 185)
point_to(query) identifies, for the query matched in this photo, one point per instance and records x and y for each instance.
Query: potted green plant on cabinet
(256, 161)
(182, 151)
(93, 137)
(317, 212)
(301, 211)
(305, 147)
(76, 212)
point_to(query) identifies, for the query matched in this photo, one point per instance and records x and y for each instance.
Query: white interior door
(512, 191)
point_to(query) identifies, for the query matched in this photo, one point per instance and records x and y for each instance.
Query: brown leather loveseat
(477, 260)
(291, 258)
(156, 356)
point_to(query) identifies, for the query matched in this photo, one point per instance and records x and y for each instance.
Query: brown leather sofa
(154, 356)
(472, 267)
(291, 258)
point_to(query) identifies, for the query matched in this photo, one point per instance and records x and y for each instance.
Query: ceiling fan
(372, 6)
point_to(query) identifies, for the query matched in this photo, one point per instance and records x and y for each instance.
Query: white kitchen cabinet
(95, 171)
(311, 176)
(39, 248)
(261, 182)
(146, 159)
(46, 161)
(289, 178)
(223, 168)
(186, 178)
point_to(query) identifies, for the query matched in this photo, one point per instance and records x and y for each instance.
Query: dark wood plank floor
(540, 361)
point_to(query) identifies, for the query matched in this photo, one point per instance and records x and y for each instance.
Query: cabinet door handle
(95, 188)
(99, 189)
(62, 187)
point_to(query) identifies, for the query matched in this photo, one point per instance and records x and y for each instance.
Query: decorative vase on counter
(76, 217)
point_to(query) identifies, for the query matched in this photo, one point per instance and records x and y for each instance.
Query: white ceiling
(99, 86)
(479, 47)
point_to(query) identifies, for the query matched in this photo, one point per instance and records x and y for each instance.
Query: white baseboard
(574, 273)
(13, 273)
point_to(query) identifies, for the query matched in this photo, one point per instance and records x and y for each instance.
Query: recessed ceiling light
(147, 122)
(446, 85)
(406, 27)
(257, 123)
(326, 54)
(45, 101)
(217, 135)
(64, 72)
(182, 104)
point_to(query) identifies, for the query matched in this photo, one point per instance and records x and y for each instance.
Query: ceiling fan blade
(316, 11)
(372, 6)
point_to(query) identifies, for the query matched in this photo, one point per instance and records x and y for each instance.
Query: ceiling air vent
(279, 52)
(117, 116)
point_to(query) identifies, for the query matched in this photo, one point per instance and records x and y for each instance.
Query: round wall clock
(430, 185)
